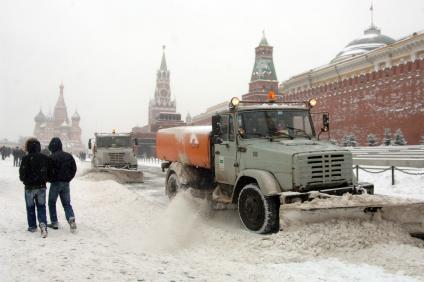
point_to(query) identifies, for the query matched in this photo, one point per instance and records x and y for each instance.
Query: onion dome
(40, 117)
(372, 39)
(76, 116)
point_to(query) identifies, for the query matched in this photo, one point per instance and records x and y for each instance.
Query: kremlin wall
(368, 103)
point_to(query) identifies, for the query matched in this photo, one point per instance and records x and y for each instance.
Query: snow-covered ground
(132, 233)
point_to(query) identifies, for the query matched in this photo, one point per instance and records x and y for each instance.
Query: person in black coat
(35, 170)
(15, 154)
(64, 169)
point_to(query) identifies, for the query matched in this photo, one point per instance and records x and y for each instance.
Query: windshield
(275, 123)
(113, 141)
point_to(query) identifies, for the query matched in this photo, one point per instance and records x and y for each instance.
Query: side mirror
(136, 141)
(217, 140)
(216, 129)
(216, 125)
(325, 122)
(89, 144)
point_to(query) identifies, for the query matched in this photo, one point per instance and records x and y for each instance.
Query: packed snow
(133, 233)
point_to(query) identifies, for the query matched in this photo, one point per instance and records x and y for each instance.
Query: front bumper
(120, 166)
(293, 197)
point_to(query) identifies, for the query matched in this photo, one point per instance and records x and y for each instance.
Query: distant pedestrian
(3, 152)
(15, 154)
(21, 154)
(34, 172)
(64, 169)
(82, 156)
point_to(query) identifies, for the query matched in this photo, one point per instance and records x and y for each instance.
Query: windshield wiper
(300, 130)
(280, 133)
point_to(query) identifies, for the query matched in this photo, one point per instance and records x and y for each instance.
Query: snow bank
(407, 186)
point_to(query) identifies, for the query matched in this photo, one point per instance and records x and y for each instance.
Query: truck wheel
(258, 212)
(172, 186)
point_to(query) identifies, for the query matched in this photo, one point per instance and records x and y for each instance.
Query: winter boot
(53, 225)
(73, 225)
(43, 229)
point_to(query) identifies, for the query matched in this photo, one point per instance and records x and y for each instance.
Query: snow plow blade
(408, 214)
(121, 175)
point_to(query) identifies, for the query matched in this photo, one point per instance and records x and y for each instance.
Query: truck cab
(115, 150)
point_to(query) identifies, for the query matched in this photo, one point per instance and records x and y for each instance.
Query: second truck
(262, 158)
(114, 153)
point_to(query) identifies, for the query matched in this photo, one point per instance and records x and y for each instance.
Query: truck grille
(116, 158)
(323, 170)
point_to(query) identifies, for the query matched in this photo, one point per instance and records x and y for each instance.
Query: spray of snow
(179, 226)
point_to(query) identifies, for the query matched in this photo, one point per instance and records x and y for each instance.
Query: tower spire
(372, 14)
(163, 62)
(60, 113)
(61, 88)
(263, 42)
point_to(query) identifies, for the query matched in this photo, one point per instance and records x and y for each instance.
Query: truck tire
(258, 213)
(172, 186)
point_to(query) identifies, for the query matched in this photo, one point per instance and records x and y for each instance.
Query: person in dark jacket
(15, 154)
(64, 169)
(35, 170)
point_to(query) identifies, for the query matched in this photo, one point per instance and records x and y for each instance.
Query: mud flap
(410, 216)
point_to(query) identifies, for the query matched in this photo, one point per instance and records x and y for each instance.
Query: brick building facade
(391, 98)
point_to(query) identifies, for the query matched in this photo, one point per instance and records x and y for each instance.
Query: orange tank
(189, 145)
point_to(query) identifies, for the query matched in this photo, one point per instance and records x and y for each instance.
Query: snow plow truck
(267, 160)
(114, 153)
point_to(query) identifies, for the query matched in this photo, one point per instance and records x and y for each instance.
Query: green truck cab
(265, 155)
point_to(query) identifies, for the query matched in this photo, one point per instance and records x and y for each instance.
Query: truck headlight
(312, 102)
(234, 102)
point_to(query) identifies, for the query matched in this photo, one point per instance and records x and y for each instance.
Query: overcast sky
(107, 52)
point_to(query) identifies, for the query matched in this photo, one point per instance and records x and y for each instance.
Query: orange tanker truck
(261, 158)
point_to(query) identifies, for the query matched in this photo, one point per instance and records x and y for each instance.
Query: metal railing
(393, 158)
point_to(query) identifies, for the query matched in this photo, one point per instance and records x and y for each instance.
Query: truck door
(225, 153)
